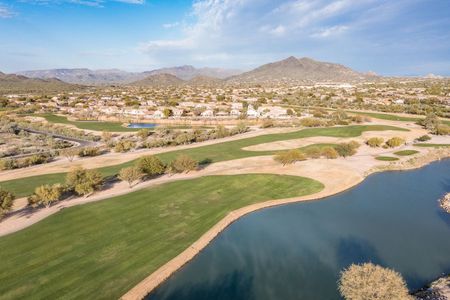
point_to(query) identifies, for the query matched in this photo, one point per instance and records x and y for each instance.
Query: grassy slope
(390, 117)
(386, 158)
(214, 153)
(406, 152)
(431, 145)
(88, 125)
(101, 250)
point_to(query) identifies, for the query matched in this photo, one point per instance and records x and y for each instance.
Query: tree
(183, 163)
(84, 182)
(69, 153)
(46, 195)
(289, 157)
(395, 142)
(347, 149)
(330, 152)
(431, 122)
(374, 142)
(6, 202)
(130, 175)
(151, 165)
(371, 282)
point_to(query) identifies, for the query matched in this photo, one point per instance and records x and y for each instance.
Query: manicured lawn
(386, 158)
(101, 250)
(431, 145)
(212, 153)
(406, 152)
(89, 125)
(384, 116)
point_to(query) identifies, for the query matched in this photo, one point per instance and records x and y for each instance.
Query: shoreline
(151, 282)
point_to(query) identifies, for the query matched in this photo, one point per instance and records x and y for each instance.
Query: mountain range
(291, 69)
(303, 69)
(115, 76)
(12, 83)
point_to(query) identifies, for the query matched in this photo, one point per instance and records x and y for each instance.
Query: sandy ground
(63, 165)
(409, 136)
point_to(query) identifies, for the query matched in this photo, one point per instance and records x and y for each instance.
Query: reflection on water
(141, 125)
(296, 251)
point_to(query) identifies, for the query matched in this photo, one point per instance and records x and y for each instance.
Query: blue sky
(390, 37)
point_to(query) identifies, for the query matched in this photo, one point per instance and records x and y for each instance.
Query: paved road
(81, 143)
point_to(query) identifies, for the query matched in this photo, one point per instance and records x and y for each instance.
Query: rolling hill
(12, 83)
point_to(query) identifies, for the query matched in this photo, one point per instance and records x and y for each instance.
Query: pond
(142, 125)
(296, 251)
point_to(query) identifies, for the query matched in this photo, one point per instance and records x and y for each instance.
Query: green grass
(386, 158)
(101, 250)
(406, 152)
(431, 145)
(106, 126)
(212, 153)
(89, 125)
(390, 117)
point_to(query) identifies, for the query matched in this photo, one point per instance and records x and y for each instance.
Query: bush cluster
(79, 181)
(17, 163)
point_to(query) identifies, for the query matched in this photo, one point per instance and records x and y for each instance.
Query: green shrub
(347, 149)
(423, 138)
(6, 202)
(311, 122)
(8, 164)
(130, 175)
(395, 142)
(151, 165)
(46, 195)
(183, 163)
(289, 157)
(89, 151)
(375, 142)
(124, 146)
(443, 129)
(330, 152)
(84, 182)
(313, 152)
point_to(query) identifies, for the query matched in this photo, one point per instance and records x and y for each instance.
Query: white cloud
(96, 3)
(171, 25)
(244, 29)
(280, 30)
(330, 31)
(157, 45)
(5, 12)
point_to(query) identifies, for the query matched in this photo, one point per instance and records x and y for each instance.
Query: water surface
(296, 251)
(142, 125)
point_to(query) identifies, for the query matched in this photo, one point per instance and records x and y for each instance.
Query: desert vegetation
(372, 282)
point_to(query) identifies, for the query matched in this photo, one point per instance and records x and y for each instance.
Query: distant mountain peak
(302, 69)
